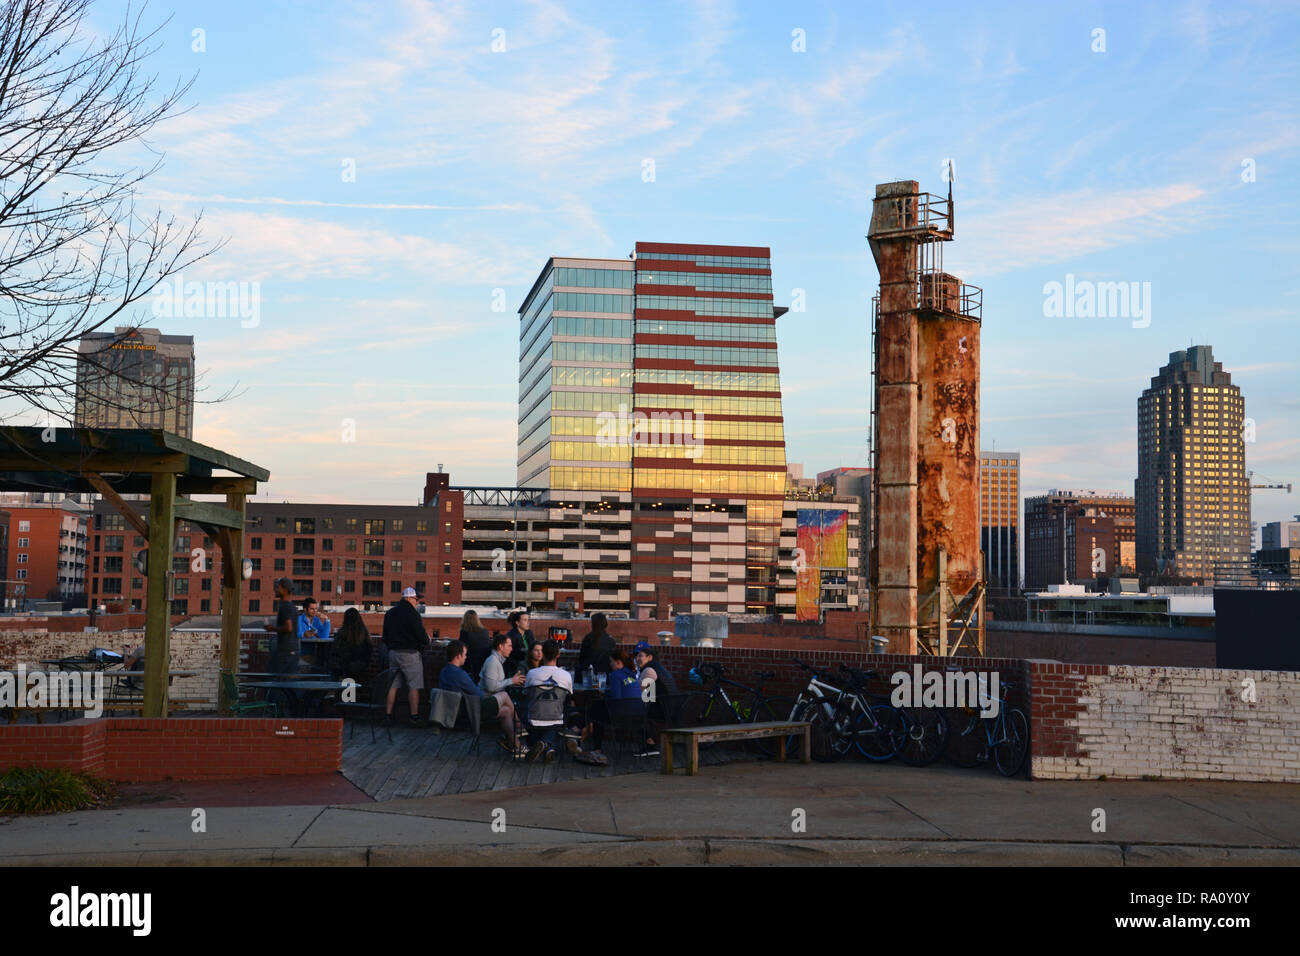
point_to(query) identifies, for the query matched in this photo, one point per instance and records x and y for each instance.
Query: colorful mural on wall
(822, 537)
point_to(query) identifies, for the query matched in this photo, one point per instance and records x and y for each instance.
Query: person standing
(406, 637)
(478, 642)
(596, 646)
(521, 641)
(285, 660)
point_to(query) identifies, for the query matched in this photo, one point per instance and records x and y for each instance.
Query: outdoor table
(300, 691)
(269, 675)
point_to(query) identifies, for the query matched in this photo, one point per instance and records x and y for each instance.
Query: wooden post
(232, 597)
(941, 592)
(158, 605)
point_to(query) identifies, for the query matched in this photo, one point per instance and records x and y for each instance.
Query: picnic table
(300, 692)
(116, 697)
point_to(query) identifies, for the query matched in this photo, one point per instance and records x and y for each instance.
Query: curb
(698, 852)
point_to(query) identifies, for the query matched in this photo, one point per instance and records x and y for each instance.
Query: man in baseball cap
(406, 637)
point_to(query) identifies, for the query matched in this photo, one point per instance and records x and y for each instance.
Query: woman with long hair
(477, 640)
(352, 647)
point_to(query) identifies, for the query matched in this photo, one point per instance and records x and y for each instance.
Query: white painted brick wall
(1184, 724)
(189, 652)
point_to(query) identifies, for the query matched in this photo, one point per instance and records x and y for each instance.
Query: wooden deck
(422, 763)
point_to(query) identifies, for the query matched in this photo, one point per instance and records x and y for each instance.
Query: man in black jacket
(405, 636)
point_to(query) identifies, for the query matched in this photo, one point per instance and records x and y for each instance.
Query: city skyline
(388, 317)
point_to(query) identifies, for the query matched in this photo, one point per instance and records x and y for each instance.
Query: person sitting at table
(311, 624)
(454, 677)
(596, 646)
(477, 641)
(544, 728)
(657, 685)
(622, 699)
(534, 658)
(494, 682)
(352, 647)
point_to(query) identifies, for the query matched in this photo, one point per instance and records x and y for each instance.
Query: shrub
(49, 790)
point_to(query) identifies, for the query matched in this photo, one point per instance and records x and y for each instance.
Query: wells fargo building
(650, 405)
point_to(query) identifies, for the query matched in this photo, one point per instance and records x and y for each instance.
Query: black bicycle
(715, 706)
(976, 738)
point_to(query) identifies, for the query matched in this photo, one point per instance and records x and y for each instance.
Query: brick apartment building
(46, 549)
(338, 553)
(1077, 537)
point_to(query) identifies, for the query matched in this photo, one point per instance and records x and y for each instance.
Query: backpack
(546, 702)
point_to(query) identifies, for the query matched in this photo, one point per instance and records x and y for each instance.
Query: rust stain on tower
(926, 564)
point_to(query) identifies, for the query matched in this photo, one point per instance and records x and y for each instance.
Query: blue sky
(472, 166)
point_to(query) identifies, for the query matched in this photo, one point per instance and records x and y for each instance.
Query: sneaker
(572, 747)
(506, 745)
(415, 722)
(550, 754)
(649, 752)
(388, 720)
(535, 751)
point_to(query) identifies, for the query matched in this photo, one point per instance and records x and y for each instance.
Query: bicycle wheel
(874, 732)
(828, 743)
(775, 708)
(967, 745)
(1011, 749)
(922, 736)
(707, 710)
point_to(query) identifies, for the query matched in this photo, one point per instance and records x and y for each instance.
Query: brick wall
(141, 750)
(1163, 722)
(190, 651)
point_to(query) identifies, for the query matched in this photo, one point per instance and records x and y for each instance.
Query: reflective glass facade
(575, 366)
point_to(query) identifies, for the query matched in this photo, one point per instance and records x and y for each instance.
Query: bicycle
(1005, 736)
(718, 707)
(823, 705)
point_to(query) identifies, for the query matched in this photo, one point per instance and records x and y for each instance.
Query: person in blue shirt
(454, 677)
(622, 699)
(311, 624)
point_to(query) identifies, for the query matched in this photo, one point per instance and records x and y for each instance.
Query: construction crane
(1251, 487)
(1275, 486)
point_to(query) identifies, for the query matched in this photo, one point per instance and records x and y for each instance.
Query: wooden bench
(692, 737)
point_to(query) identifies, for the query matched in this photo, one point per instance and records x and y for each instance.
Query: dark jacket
(595, 652)
(479, 644)
(350, 660)
(404, 629)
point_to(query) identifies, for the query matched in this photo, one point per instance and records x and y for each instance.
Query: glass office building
(650, 404)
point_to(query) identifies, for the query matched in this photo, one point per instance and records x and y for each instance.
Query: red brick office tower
(708, 471)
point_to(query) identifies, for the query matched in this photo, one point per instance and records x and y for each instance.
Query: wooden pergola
(169, 469)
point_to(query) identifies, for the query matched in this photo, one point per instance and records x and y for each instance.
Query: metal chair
(239, 706)
(376, 704)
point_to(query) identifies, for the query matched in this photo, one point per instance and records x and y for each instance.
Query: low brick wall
(135, 750)
(1177, 723)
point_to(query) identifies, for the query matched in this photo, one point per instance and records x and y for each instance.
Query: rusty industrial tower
(927, 587)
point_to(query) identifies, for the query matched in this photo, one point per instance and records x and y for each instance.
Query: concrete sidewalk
(738, 814)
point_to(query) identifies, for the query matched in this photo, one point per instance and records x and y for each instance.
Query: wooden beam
(219, 485)
(211, 457)
(209, 513)
(71, 461)
(231, 541)
(125, 510)
(158, 605)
